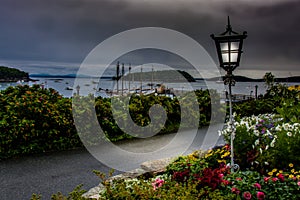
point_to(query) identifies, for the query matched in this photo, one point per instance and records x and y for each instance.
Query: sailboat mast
(141, 79)
(129, 77)
(117, 76)
(123, 72)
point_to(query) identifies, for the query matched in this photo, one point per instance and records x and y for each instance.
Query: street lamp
(229, 48)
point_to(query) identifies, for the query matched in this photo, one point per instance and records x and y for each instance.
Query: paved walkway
(63, 171)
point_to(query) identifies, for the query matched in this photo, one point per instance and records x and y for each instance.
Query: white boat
(69, 88)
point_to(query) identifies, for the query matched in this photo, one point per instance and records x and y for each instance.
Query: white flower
(256, 142)
(286, 126)
(273, 142)
(267, 147)
(220, 132)
(289, 134)
(256, 132)
(260, 150)
(278, 128)
(266, 163)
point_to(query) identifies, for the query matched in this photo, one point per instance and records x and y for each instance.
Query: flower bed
(208, 176)
(265, 142)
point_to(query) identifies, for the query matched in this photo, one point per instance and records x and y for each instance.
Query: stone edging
(149, 167)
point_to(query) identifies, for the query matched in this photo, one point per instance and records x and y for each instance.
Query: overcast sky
(58, 34)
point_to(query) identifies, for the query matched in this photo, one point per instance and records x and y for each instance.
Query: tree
(269, 79)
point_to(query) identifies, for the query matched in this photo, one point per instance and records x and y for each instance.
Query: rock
(128, 175)
(147, 169)
(94, 192)
(156, 166)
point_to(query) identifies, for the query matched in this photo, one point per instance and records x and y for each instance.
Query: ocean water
(98, 87)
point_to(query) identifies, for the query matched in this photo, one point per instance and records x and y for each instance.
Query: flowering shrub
(264, 142)
(252, 185)
(209, 182)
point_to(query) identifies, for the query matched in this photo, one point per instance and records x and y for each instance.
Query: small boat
(69, 88)
(220, 81)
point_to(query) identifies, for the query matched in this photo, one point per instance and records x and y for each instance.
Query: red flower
(257, 185)
(235, 190)
(266, 179)
(226, 182)
(227, 146)
(260, 195)
(238, 179)
(247, 195)
(281, 177)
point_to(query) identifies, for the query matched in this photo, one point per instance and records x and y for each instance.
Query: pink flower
(157, 183)
(274, 179)
(260, 195)
(235, 190)
(257, 185)
(239, 179)
(221, 176)
(298, 183)
(247, 195)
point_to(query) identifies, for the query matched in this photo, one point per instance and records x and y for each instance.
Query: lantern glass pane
(229, 50)
(233, 57)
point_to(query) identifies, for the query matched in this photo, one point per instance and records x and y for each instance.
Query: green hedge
(35, 120)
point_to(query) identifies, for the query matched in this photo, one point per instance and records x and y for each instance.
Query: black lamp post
(229, 48)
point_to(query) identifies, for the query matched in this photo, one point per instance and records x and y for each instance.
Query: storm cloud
(65, 31)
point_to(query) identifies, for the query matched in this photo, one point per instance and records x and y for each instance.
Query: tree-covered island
(8, 74)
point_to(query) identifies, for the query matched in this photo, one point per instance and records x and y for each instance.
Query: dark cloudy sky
(58, 34)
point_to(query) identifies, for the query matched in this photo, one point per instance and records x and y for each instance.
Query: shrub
(35, 120)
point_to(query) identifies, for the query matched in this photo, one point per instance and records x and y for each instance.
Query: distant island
(8, 74)
(163, 75)
(246, 79)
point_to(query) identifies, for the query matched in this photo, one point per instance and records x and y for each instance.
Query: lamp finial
(228, 23)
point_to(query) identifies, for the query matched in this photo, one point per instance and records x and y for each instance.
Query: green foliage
(139, 107)
(277, 99)
(269, 79)
(76, 194)
(264, 142)
(276, 187)
(11, 74)
(35, 120)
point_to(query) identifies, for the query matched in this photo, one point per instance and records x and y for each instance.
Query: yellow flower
(225, 154)
(280, 171)
(293, 170)
(277, 174)
(274, 170)
(291, 165)
(270, 173)
(291, 176)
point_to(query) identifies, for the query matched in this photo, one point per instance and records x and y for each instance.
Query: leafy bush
(138, 108)
(76, 194)
(35, 120)
(276, 100)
